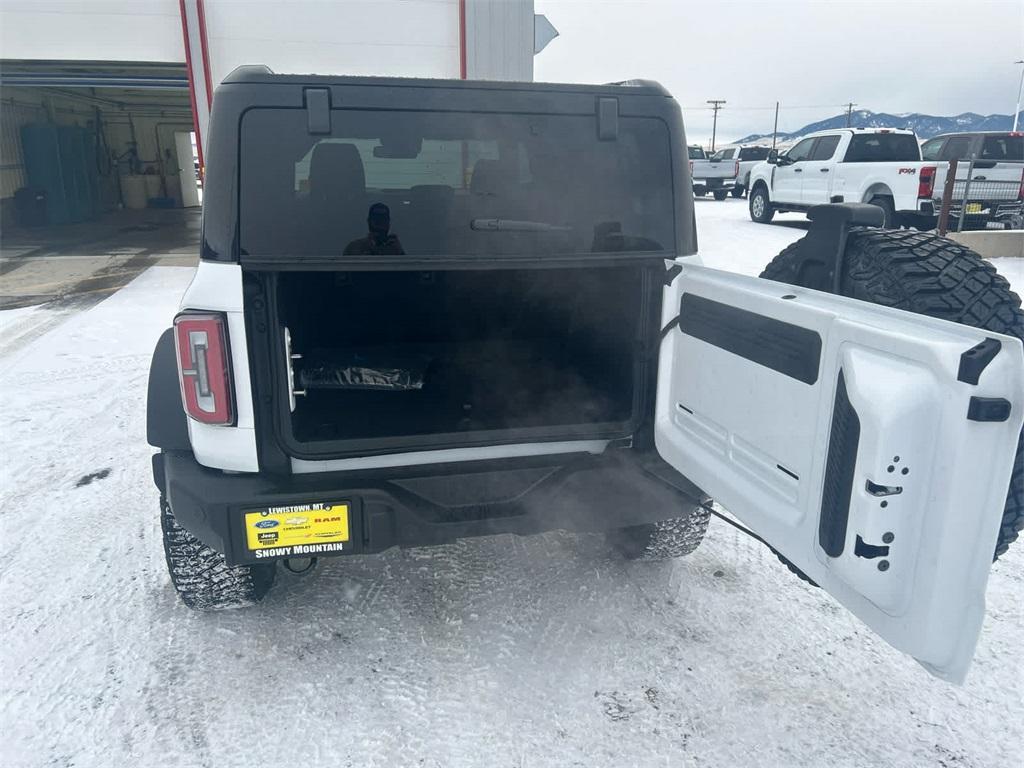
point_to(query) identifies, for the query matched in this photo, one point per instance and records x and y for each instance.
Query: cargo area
(401, 359)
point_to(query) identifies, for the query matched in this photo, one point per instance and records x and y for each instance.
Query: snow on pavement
(542, 651)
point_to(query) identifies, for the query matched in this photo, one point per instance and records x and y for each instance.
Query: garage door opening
(98, 173)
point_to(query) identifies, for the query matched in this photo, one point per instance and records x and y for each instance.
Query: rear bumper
(433, 505)
(728, 183)
(990, 210)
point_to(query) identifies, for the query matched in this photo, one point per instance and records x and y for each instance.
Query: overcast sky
(940, 57)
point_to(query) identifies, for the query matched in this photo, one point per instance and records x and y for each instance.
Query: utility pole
(775, 128)
(716, 104)
(849, 113)
(1020, 88)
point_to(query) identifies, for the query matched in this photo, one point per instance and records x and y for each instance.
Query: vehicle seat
(337, 195)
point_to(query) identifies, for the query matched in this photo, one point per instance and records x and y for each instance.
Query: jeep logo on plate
(267, 524)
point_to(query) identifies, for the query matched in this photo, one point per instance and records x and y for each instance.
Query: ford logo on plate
(267, 524)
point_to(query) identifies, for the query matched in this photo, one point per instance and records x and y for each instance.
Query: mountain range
(925, 126)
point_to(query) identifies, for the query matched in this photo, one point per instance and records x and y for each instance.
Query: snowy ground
(493, 652)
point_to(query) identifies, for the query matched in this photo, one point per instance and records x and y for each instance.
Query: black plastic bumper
(436, 504)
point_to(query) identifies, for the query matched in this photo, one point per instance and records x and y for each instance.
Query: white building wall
(410, 38)
(499, 40)
(91, 30)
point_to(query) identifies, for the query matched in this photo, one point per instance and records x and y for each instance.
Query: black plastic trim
(844, 438)
(976, 359)
(790, 349)
(994, 409)
(166, 422)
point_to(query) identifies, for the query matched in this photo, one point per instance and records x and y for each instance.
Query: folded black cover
(383, 369)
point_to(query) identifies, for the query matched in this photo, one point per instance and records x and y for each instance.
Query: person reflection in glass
(378, 241)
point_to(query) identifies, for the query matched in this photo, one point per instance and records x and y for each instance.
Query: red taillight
(737, 171)
(691, 166)
(204, 368)
(926, 181)
(1020, 192)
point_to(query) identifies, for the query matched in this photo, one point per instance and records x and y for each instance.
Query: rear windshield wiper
(513, 225)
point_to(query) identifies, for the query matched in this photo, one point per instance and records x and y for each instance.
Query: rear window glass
(696, 153)
(754, 153)
(882, 148)
(392, 182)
(1003, 148)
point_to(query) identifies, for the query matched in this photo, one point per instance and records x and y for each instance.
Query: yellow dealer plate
(301, 528)
(974, 207)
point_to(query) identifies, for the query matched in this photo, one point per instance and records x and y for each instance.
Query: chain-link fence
(980, 194)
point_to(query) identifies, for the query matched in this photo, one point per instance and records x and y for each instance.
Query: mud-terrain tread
(203, 579)
(931, 275)
(665, 539)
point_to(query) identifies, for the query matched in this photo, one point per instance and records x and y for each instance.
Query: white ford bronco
(428, 310)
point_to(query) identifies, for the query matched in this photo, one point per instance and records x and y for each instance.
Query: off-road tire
(721, 194)
(889, 220)
(204, 581)
(930, 275)
(761, 212)
(665, 539)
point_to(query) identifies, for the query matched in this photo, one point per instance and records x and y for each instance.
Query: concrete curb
(992, 244)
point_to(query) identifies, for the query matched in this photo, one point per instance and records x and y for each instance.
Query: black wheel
(721, 194)
(738, 190)
(662, 540)
(930, 275)
(699, 190)
(201, 576)
(760, 206)
(888, 210)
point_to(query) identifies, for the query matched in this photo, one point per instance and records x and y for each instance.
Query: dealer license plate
(297, 529)
(974, 207)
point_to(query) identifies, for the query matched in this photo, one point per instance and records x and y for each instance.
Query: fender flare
(166, 422)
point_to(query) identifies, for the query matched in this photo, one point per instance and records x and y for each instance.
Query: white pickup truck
(712, 174)
(880, 166)
(995, 163)
(747, 158)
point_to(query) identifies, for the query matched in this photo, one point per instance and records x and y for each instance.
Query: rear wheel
(738, 190)
(760, 207)
(888, 210)
(930, 275)
(665, 539)
(202, 577)
(721, 194)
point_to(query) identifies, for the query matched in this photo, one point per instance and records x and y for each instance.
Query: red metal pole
(191, 88)
(462, 39)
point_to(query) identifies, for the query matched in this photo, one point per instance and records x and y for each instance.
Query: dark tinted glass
(883, 148)
(696, 153)
(930, 149)
(801, 151)
(453, 184)
(956, 148)
(825, 148)
(754, 153)
(1009, 148)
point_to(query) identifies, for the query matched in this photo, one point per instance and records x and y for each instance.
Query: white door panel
(839, 432)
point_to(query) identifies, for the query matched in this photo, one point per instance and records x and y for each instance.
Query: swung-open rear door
(870, 446)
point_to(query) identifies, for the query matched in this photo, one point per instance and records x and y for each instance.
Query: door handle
(823, 170)
(798, 170)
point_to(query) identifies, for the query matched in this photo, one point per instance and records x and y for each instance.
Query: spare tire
(930, 275)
